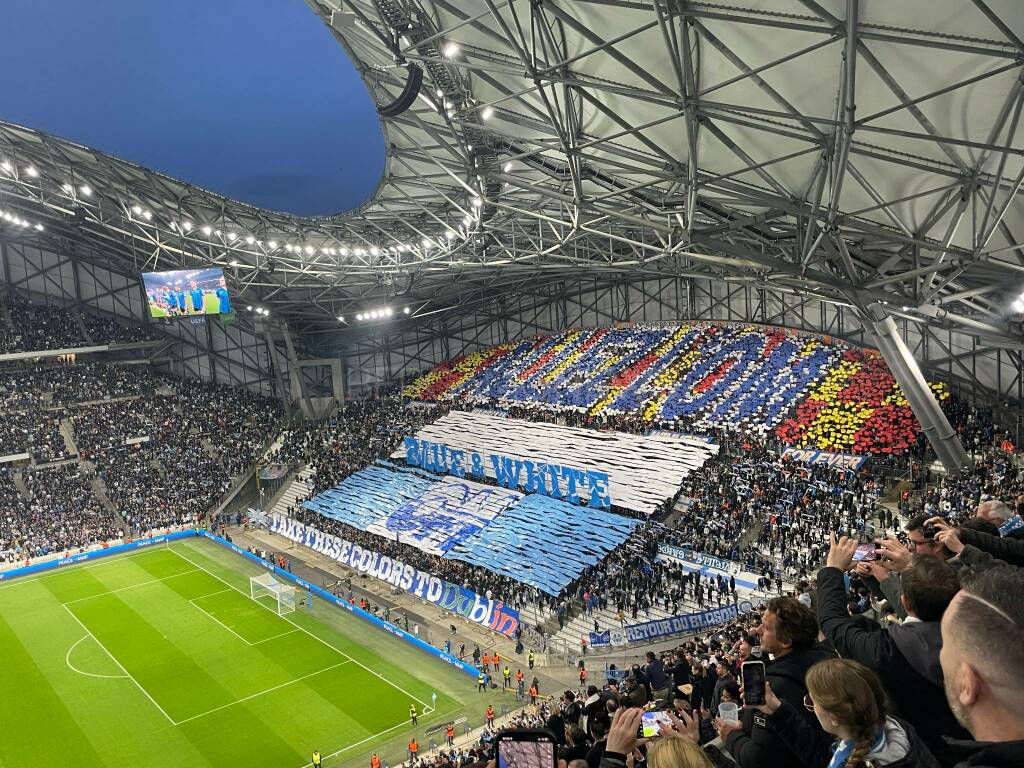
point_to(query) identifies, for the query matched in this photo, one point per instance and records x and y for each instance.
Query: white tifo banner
(643, 471)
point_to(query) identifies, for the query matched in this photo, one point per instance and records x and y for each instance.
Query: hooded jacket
(901, 748)
(757, 746)
(905, 657)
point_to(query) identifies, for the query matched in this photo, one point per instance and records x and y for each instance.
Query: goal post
(266, 586)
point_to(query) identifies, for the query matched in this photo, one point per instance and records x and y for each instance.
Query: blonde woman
(849, 702)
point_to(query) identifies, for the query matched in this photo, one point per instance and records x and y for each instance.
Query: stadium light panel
(343, 251)
(39, 227)
(488, 113)
(249, 308)
(388, 311)
(187, 226)
(137, 210)
(451, 50)
(232, 236)
(341, 318)
(406, 310)
(147, 215)
(31, 171)
(207, 230)
(6, 166)
(250, 239)
(272, 245)
(507, 167)
(309, 250)
(234, 262)
(86, 190)
(67, 188)
(359, 317)
(375, 251)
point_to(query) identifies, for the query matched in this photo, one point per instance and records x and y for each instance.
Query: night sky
(254, 100)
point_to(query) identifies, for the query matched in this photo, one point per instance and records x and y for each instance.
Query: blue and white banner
(492, 614)
(811, 456)
(577, 486)
(687, 555)
(673, 625)
(445, 514)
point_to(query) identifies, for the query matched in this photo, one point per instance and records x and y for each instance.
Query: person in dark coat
(904, 656)
(789, 632)
(983, 666)
(850, 705)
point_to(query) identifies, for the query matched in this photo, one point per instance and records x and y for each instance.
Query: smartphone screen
(753, 683)
(525, 749)
(865, 552)
(649, 724)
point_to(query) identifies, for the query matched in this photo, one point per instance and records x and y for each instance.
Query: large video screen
(187, 293)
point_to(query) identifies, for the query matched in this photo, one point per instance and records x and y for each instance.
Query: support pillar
(907, 372)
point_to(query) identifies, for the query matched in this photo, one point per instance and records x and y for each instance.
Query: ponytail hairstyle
(854, 696)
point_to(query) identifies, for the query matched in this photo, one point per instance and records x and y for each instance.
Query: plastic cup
(729, 710)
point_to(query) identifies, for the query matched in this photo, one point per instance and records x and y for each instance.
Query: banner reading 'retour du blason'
(492, 614)
(578, 486)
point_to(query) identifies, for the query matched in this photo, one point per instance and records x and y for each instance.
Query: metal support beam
(905, 370)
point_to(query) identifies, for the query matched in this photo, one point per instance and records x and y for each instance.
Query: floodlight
(488, 113)
(250, 239)
(374, 251)
(406, 310)
(451, 50)
(31, 171)
(187, 226)
(388, 311)
(39, 227)
(309, 249)
(86, 190)
(272, 245)
(137, 210)
(207, 230)
(341, 318)
(507, 167)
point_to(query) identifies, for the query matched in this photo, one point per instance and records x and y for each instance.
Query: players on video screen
(183, 293)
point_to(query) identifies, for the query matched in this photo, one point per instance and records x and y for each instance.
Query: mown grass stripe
(26, 700)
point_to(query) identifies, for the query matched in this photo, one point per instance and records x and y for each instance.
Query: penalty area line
(299, 626)
(403, 724)
(119, 664)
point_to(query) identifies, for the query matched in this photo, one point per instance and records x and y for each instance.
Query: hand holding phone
(525, 748)
(753, 683)
(651, 724)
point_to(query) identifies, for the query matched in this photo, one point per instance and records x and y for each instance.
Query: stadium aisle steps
(19, 483)
(299, 488)
(67, 431)
(82, 329)
(99, 488)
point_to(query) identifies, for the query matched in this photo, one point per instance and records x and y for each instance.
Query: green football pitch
(160, 658)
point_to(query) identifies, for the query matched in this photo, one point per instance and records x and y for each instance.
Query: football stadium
(512, 384)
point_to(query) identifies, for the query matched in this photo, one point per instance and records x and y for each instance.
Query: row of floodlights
(258, 310)
(234, 238)
(376, 314)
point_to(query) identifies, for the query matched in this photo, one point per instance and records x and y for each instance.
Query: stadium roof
(530, 141)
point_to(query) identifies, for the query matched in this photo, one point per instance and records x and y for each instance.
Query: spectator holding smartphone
(905, 656)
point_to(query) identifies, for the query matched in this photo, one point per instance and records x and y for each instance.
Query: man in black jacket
(905, 656)
(983, 666)
(789, 633)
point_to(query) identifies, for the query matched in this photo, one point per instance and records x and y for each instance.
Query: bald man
(983, 665)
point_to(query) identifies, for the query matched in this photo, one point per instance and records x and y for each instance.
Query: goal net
(268, 590)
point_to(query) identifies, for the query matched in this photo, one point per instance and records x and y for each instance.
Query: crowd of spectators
(926, 670)
(37, 327)
(165, 449)
(58, 513)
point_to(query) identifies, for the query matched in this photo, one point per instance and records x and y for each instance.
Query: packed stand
(914, 659)
(37, 327)
(702, 377)
(60, 513)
